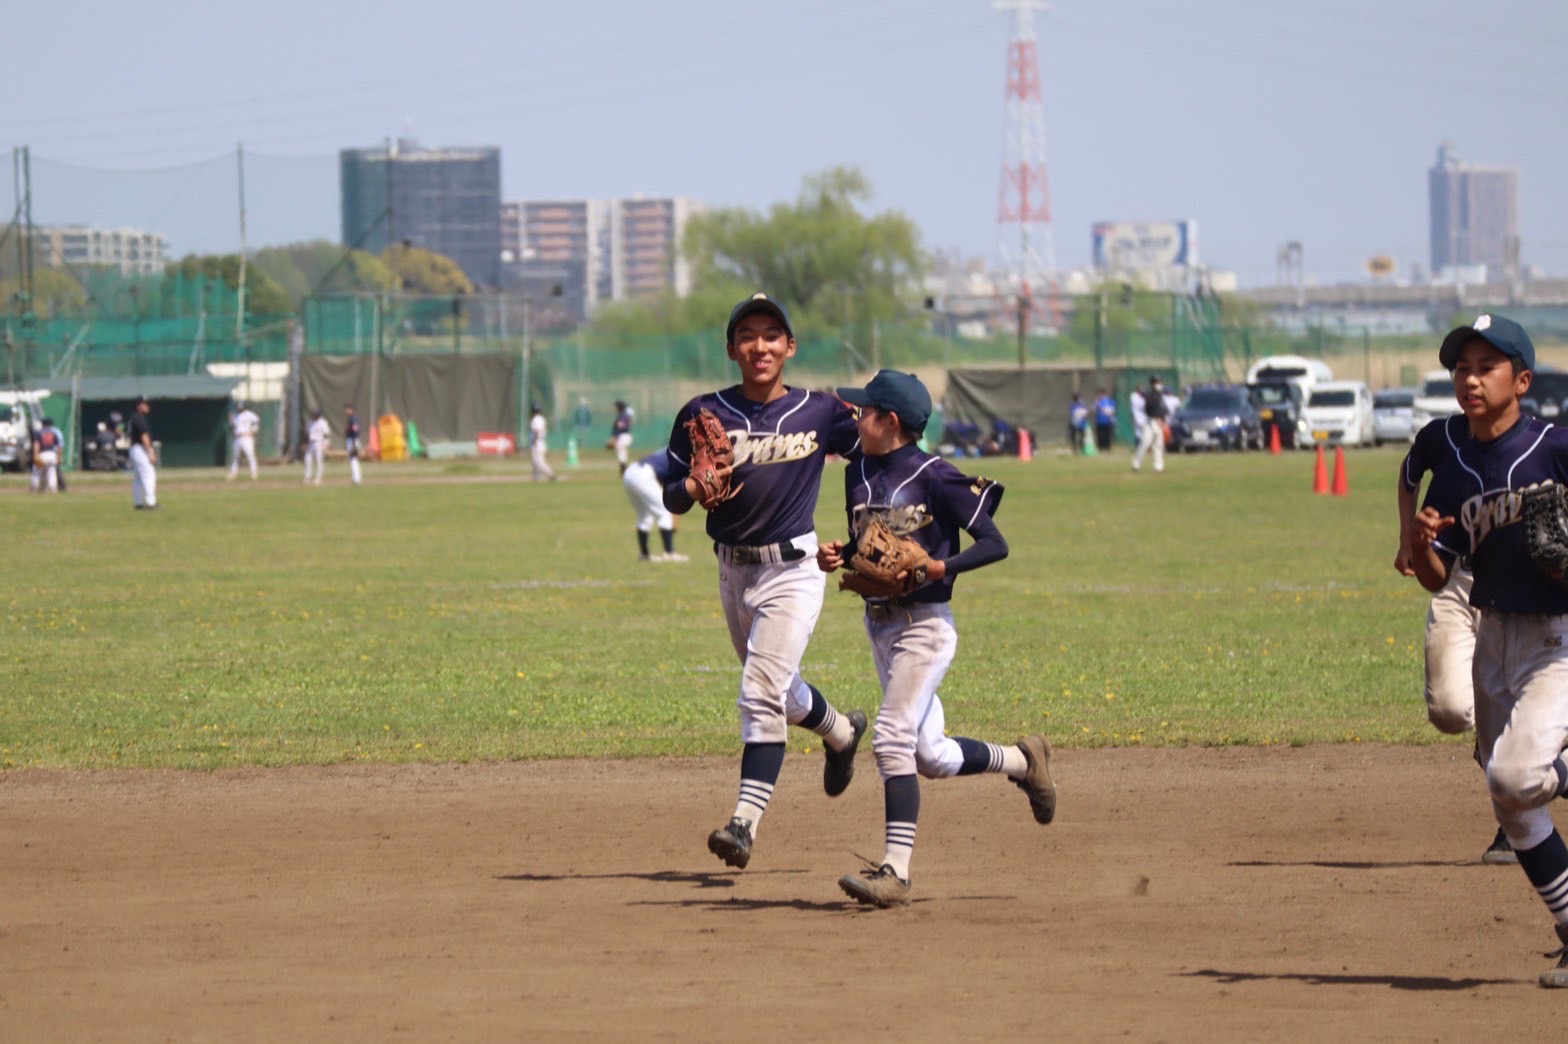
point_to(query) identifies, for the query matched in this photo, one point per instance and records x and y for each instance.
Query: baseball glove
(884, 564)
(711, 450)
(1545, 511)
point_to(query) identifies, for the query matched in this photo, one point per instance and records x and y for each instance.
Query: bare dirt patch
(1181, 894)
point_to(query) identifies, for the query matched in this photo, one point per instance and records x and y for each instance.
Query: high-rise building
(130, 250)
(597, 250)
(444, 200)
(1474, 218)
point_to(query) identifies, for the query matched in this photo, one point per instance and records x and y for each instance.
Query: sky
(1264, 121)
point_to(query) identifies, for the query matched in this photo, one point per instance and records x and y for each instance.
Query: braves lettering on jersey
(1434, 443)
(928, 500)
(1479, 486)
(780, 448)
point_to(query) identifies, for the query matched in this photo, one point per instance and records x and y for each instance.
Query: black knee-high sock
(901, 811)
(642, 543)
(1546, 865)
(760, 764)
(668, 536)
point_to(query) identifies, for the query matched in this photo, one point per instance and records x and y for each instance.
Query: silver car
(1392, 414)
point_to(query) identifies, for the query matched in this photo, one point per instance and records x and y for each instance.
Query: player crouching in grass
(891, 482)
(1521, 661)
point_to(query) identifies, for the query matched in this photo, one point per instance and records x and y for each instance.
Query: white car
(21, 414)
(1391, 414)
(1341, 412)
(1435, 398)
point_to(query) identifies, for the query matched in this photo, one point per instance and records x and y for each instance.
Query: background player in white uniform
(351, 441)
(1451, 623)
(621, 434)
(765, 538)
(1152, 435)
(244, 425)
(644, 484)
(538, 445)
(913, 637)
(144, 459)
(1521, 659)
(316, 438)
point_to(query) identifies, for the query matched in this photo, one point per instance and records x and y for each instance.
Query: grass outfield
(455, 612)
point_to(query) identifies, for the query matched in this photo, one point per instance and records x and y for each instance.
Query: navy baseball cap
(757, 302)
(1505, 335)
(900, 393)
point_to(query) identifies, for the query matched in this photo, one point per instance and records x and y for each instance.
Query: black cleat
(840, 767)
(732, 843)
(1558, 976)
(1499, 852)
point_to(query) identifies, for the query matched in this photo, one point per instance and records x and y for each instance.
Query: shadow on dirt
(1393, 982)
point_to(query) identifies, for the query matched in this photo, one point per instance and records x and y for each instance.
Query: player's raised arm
(1430, 560)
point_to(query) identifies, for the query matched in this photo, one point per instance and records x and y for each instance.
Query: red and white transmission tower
(1024, 219)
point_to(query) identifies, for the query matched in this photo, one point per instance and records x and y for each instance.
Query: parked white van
(1341, 411)
(1434, 398)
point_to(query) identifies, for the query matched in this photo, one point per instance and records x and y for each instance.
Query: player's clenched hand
(1425, 527)
(830, 556)
(1402, 564)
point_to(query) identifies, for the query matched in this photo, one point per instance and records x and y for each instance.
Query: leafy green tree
(55, 294)
(263, 296)
(820, 254)
(423, 271)
(300, 268)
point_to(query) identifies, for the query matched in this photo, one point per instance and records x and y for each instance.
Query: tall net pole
(1024, 216)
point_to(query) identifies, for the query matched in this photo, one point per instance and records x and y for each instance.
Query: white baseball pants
(647, 497)
(144, 478)
(315, 462)
(1521, 718)
(771, 611)
(912, 649)
(244, 446)
(1450, 646)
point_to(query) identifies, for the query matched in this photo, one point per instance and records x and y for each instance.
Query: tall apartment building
(445, 200)
(598, 250)
(130, 250)
(1474, 217)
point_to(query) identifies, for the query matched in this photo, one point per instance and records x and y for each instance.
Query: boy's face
(760, 347)
(878, 430)
(1484, 381)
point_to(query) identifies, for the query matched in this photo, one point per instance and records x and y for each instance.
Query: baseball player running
(913, 638)
(351, 441)
(244, 425)
(1521, 663)
(1450, 621)
(316, 439)
(764, 536)
(644, 483)
(621, 434)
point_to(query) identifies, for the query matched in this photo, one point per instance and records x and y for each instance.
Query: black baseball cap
(900, 393)
(757, 302)
(1505, 335)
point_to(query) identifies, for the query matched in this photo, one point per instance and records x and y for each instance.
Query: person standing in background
(316, 438)
(351, 440)
(538, 434)
(243, 425)
(144, 459)
(621, 434)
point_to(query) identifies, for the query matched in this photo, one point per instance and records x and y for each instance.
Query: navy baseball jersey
(1433, 444)
(780, 448)
(1480, 487)
(623, 423)
(659, 461)
(351, 428)
(928, 500)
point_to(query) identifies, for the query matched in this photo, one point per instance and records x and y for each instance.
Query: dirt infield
(1181, 894)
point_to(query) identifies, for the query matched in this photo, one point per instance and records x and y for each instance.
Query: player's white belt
(768, 554)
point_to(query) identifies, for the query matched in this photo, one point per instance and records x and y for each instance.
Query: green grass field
(456, 612)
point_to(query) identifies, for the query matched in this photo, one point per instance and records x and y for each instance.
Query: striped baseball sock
(901, 805)
(833, 727)
(760, 764)
(980, 756)
(1546, 865)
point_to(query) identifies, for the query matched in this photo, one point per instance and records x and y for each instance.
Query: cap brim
(855, 396)
(1454, 343)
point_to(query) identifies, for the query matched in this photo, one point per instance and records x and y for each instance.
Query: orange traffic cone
(1025, 445)
(1274, 439)
(375, 443)
(1341, 482)
(1320, 475)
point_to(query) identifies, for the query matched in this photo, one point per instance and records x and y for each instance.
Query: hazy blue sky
(1263, 120)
